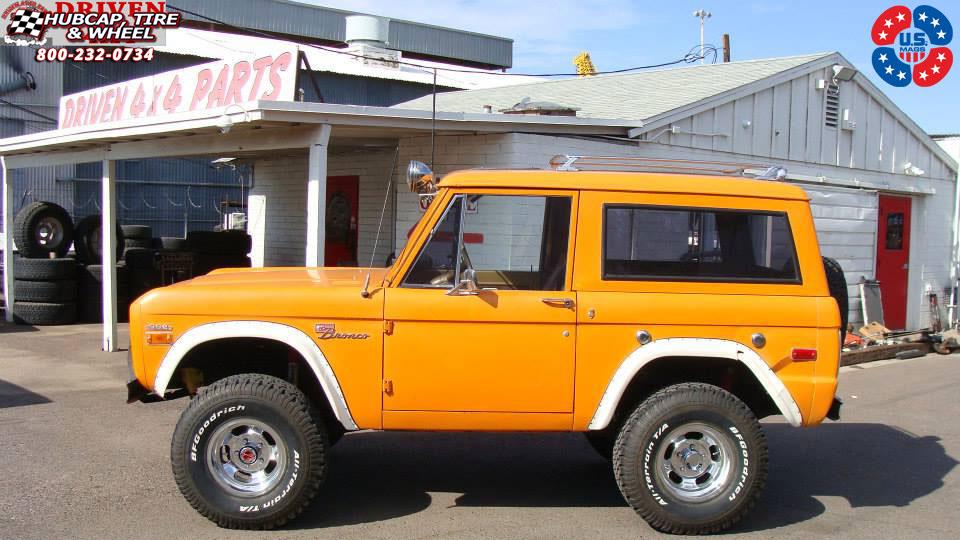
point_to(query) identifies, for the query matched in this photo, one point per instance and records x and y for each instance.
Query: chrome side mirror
(467, 286)
(420, 179)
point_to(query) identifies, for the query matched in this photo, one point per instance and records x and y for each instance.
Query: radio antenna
(365, 292)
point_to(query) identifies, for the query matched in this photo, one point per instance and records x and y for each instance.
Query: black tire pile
(212, 250)
(51, 288)
(45, 279)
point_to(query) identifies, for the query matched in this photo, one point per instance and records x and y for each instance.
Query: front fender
(288, 335)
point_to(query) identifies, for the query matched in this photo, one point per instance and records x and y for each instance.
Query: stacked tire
(90, 291)
(136, 237)
(89, 248)
(225, 249)
(45, 291)
(45, 285)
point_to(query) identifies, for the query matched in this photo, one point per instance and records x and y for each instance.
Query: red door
(343, 203)
(893, 256)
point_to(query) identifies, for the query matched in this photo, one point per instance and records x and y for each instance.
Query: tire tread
(658, 404)
(301, 414)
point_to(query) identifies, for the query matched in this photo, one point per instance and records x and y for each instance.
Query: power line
(26, 110)
(688, 58)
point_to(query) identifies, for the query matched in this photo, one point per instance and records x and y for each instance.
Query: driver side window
(511, 242)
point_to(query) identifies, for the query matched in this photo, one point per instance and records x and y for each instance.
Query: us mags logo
(912, 46)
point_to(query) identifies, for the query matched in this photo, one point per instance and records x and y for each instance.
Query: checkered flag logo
(26, 22)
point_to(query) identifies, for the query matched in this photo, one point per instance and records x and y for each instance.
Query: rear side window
(697, 244)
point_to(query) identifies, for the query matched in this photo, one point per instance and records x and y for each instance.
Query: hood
(255, 293)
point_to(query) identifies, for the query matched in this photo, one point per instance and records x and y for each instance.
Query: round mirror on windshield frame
(420, 178)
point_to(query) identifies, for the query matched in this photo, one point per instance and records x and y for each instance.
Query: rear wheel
(248, 452)
(692, 459)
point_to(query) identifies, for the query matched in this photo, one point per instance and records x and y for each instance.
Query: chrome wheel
(247, 457)
(696, 462)
(49, 232)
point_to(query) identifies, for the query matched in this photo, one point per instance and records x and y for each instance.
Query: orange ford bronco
(660, 314)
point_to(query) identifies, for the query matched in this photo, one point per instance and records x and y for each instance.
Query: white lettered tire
(248, 452)
(691, 459)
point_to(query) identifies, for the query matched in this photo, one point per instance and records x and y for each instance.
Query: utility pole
(703, 14)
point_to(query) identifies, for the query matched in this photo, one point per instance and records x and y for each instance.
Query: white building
(858, 156)
(883, 191)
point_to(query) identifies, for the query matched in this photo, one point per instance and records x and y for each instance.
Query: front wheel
(248, 452)
(692, 459)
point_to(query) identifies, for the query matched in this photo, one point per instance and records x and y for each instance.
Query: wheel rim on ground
(696, 462)
(49, 232)
(247, 457)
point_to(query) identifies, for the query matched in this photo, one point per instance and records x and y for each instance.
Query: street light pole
(703, 14)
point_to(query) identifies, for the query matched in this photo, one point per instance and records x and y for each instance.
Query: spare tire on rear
(837, 283)
(89, 243)
(42, 228)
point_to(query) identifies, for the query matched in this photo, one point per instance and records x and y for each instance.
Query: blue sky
(624, 33)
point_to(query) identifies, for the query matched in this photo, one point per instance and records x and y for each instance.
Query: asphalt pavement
(77, 462)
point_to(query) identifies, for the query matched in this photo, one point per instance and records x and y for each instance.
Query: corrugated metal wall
(352, 90)
(786, 122)
(329, 25)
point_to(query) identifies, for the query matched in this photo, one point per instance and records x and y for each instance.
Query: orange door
(343, 203)
(499, 351)
(893, 257)
(503, 355)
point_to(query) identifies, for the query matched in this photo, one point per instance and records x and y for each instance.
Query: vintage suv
(660, 314)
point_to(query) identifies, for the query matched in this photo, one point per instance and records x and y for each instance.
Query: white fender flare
(259, 329)
(710, 348)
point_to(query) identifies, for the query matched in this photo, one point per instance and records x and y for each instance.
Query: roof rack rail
(562, 162)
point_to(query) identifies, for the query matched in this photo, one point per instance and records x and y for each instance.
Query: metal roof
(632, 96)
(261, 121)
(328, 25)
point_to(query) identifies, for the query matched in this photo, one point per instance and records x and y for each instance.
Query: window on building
(660, 243)
(511, 242)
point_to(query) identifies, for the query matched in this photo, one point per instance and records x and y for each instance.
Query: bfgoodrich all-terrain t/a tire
(692, 459)
(248, 452)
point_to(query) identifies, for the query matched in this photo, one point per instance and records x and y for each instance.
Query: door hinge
(388, 387)
(388, 328)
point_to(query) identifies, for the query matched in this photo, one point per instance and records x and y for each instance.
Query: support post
(7, 240)
(317, 196)
(108, 234)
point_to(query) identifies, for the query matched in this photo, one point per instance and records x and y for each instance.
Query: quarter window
(655, 242)
(511, 243)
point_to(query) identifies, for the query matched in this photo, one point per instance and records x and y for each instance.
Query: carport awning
(266, 125)
(245, 130)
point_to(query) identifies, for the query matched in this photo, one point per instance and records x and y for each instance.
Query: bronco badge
(329, 331)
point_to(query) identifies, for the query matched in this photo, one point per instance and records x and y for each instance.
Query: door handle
(565, 302)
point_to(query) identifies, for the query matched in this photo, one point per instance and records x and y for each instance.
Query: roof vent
(367, 36)
(541, 108)
(831, 114)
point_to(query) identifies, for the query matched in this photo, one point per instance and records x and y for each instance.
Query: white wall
(846, 218)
